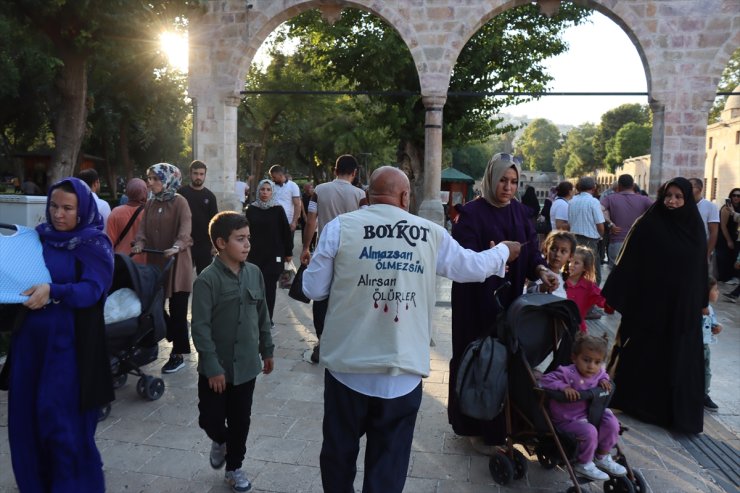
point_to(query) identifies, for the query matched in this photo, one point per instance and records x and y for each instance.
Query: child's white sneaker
(608, 465)
(238, 480)
(590, 471)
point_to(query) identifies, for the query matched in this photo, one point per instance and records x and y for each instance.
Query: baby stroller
(133, 342)
(535, 326)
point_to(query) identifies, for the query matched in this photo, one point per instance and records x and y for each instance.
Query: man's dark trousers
(389, 426)
(319, 309)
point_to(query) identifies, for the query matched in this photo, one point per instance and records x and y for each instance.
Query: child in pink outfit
(594, 460)
(580, 285)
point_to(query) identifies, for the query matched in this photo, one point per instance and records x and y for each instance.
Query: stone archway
(684, 47)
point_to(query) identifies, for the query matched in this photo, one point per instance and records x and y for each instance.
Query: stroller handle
(501, 291)
(150, 250)
(167, 264)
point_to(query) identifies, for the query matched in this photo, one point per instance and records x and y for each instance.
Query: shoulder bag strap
(128, 226)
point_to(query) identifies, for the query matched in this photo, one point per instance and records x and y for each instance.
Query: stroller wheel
(639, 483)
(618, 485)
(520, 465)
(154, 389)
(142, 384)
(104, 413)
(545, 458)
(501, 468)
(120, 380)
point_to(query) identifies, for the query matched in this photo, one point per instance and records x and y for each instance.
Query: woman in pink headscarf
(123, 222)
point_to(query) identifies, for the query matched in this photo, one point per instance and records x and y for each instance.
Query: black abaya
(659, 285)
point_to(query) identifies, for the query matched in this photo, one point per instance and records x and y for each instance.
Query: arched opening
(297, 108)
(723, 135)
(579, 133)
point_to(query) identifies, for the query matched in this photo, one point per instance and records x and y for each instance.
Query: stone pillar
(216, 145)
(431, 206)
(679, 136)
(656, 147)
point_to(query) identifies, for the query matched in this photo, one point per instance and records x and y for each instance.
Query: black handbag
(296, 288)
(482, 378)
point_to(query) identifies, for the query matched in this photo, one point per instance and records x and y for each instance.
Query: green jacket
(230, 322)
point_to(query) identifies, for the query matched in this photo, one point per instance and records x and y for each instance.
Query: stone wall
(684, 46)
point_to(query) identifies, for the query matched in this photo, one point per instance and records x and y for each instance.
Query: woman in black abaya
(659, 287)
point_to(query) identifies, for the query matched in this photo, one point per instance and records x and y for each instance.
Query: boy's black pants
(226, 417)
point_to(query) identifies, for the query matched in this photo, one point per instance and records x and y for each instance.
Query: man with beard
(203, 207)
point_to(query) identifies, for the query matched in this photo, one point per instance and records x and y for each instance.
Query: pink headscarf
(136, 192)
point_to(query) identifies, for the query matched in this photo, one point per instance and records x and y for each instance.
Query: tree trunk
(410, 160)
(71, 120)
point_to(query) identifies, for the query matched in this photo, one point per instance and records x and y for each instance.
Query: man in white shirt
(709, 214)
(90, 176)
(240, 191)
(327, 202)
(559, 208)
(375, 347)
(287, 194)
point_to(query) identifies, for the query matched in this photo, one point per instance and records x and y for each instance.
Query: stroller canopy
(535, 322)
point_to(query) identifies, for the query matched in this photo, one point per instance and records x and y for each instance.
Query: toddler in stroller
(133, 342)
(572, 415)
(534, 327)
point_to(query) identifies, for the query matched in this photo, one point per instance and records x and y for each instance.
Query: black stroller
(133, 343)
(535, 326)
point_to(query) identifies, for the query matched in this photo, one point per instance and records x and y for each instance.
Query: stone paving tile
(157, 446)
(173, 463)
(130, 430)
(123, 456)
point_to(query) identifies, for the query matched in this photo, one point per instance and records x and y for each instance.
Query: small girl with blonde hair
(595, 443)
(580, 284)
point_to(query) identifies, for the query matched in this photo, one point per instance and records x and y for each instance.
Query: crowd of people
(370, 271)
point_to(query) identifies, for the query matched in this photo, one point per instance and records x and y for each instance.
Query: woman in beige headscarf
(496, 217)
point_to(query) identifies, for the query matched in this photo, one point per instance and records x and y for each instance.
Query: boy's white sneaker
(590, 471)
(238, 481)
(610, 467)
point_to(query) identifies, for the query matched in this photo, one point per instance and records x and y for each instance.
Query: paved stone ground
(158, 447)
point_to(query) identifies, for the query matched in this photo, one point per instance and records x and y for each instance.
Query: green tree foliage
(25, 87)
(507, 54)
(576, 156)
(612, 121)
(728, 82)
(631, 140)
(137, 104)
(538, 144)
(305, 134)
(73, 31)
(471, 159)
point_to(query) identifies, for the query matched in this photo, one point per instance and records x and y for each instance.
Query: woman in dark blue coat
(59, 372)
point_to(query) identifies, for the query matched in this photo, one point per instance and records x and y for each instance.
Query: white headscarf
(259, 203)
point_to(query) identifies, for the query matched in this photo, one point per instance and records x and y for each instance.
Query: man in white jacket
(375, 345)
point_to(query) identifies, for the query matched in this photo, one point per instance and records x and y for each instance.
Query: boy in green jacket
(231, 331)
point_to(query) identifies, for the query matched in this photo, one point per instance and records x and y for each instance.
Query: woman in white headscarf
(271, 239)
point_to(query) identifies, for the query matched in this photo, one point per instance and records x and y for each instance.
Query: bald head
(389, 185)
